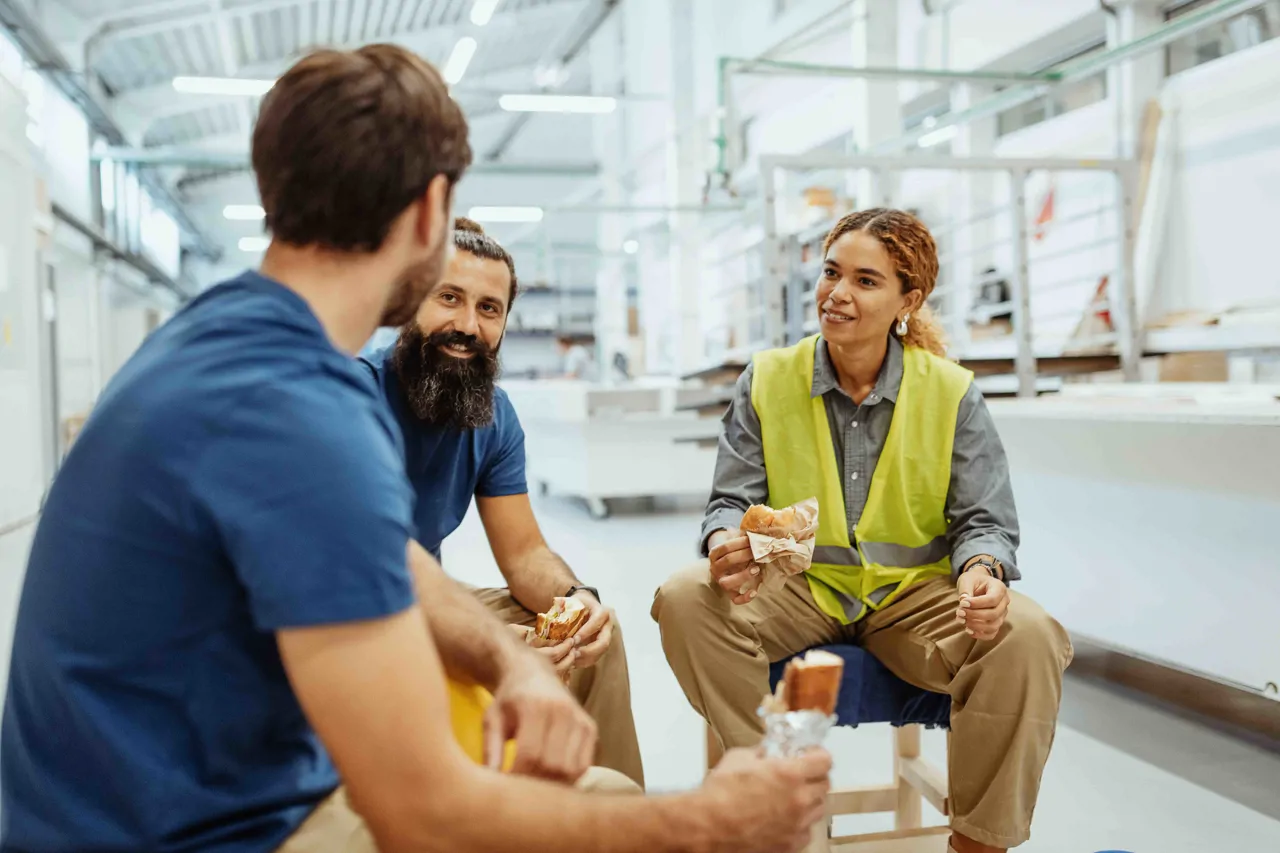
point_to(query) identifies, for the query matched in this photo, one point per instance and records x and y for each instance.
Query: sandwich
(562, 621)
(774, 523)
(812, 683)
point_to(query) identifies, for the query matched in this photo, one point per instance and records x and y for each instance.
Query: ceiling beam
(228, 158)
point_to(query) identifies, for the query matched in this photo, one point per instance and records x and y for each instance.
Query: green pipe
(775, 66)
(728, 65)
(1079, 69)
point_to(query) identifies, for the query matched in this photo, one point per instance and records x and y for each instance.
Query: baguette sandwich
(812, 683)
(562, 621)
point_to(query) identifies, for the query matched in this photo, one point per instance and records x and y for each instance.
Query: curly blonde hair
(915, 260)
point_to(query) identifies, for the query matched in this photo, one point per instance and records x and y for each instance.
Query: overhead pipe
(105, 245)
(1206, 16)
(730, 66)
(239, 160)
(1023, 87)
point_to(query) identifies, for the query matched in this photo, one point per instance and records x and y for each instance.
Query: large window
(132, 219)
(1062, 99)
(1245, 30)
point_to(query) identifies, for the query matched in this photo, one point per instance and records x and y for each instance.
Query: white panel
(1153, 535)
(21, 437)
(1225, 198)
(66, 154)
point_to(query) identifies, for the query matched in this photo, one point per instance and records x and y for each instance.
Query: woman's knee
(687, 594)
(1035, 636)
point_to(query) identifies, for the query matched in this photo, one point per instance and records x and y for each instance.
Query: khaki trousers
(604, 690)
(335, 827)
(1004, 692)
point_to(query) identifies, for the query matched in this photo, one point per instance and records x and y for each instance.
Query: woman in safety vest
(916, 537)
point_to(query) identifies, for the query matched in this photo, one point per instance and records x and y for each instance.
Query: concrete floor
(1123, 776)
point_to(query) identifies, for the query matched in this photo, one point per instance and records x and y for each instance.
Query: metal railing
(1085, 270)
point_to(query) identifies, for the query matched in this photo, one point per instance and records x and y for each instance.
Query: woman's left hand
(984, 603)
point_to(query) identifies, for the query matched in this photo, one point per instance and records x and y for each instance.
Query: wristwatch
(991, 564)
(591, 589)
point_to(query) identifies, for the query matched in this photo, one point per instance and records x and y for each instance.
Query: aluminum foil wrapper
(790, 733)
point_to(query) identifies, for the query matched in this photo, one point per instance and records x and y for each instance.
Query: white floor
(1095, 796)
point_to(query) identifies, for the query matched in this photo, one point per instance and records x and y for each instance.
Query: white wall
(22, 436)
(1225, 199)
(1153, 536)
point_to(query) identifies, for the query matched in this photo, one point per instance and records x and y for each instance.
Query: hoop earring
(902, 326)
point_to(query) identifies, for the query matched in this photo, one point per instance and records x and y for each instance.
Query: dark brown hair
(915, 260)
(469, 237)
(346, 140)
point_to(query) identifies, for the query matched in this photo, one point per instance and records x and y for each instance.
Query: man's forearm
(473, 644)
(538, 577)
(539, 817)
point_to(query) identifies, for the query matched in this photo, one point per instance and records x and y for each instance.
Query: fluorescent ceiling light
(254, 244)
(505, 214)
(937, 137)
(557, 104)
(459, 60)
(482, 11)
(244, 212)
(222, 86)
(631, 247)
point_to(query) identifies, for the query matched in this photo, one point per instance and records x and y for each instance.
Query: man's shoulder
(505, 418)
(375, 360)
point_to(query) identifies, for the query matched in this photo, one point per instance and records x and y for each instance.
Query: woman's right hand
(732, 566)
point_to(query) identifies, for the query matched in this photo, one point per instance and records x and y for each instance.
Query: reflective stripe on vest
(902, 529)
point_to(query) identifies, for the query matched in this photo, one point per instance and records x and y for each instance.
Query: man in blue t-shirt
(227, 639)
(463, 440)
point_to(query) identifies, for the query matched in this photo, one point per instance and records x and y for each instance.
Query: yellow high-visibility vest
(900, 538)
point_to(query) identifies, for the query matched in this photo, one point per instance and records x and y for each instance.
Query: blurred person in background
(463, 440)
(223, 641)
(576, 359)
(916, 540)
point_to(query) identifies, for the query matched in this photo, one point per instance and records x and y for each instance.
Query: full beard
(441, 390)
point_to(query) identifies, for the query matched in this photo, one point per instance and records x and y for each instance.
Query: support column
(608, 52)
(876, 106)
(684, 175)
(1131, 85)
(974, 225)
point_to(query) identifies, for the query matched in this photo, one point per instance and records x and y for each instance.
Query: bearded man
(463, 440)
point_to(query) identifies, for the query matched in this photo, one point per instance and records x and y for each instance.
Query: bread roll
(770, 522)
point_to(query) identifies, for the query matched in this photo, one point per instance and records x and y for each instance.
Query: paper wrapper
(789, 733)
(781, 557)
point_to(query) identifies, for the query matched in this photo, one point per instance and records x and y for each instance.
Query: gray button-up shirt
(980, 505)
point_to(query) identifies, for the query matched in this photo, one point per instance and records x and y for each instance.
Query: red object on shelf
(1045, 216)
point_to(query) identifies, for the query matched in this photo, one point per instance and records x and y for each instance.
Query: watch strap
(578, 588)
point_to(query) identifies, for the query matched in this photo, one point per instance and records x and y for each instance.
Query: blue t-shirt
(447, 467)
(238, 476)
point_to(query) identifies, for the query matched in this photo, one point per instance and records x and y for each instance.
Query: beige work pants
(1004, 692)
(604, 690)
(334, 827)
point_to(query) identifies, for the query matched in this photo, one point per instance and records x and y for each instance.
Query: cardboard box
(1194, 367)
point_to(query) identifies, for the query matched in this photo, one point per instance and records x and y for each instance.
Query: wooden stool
(872, 694)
